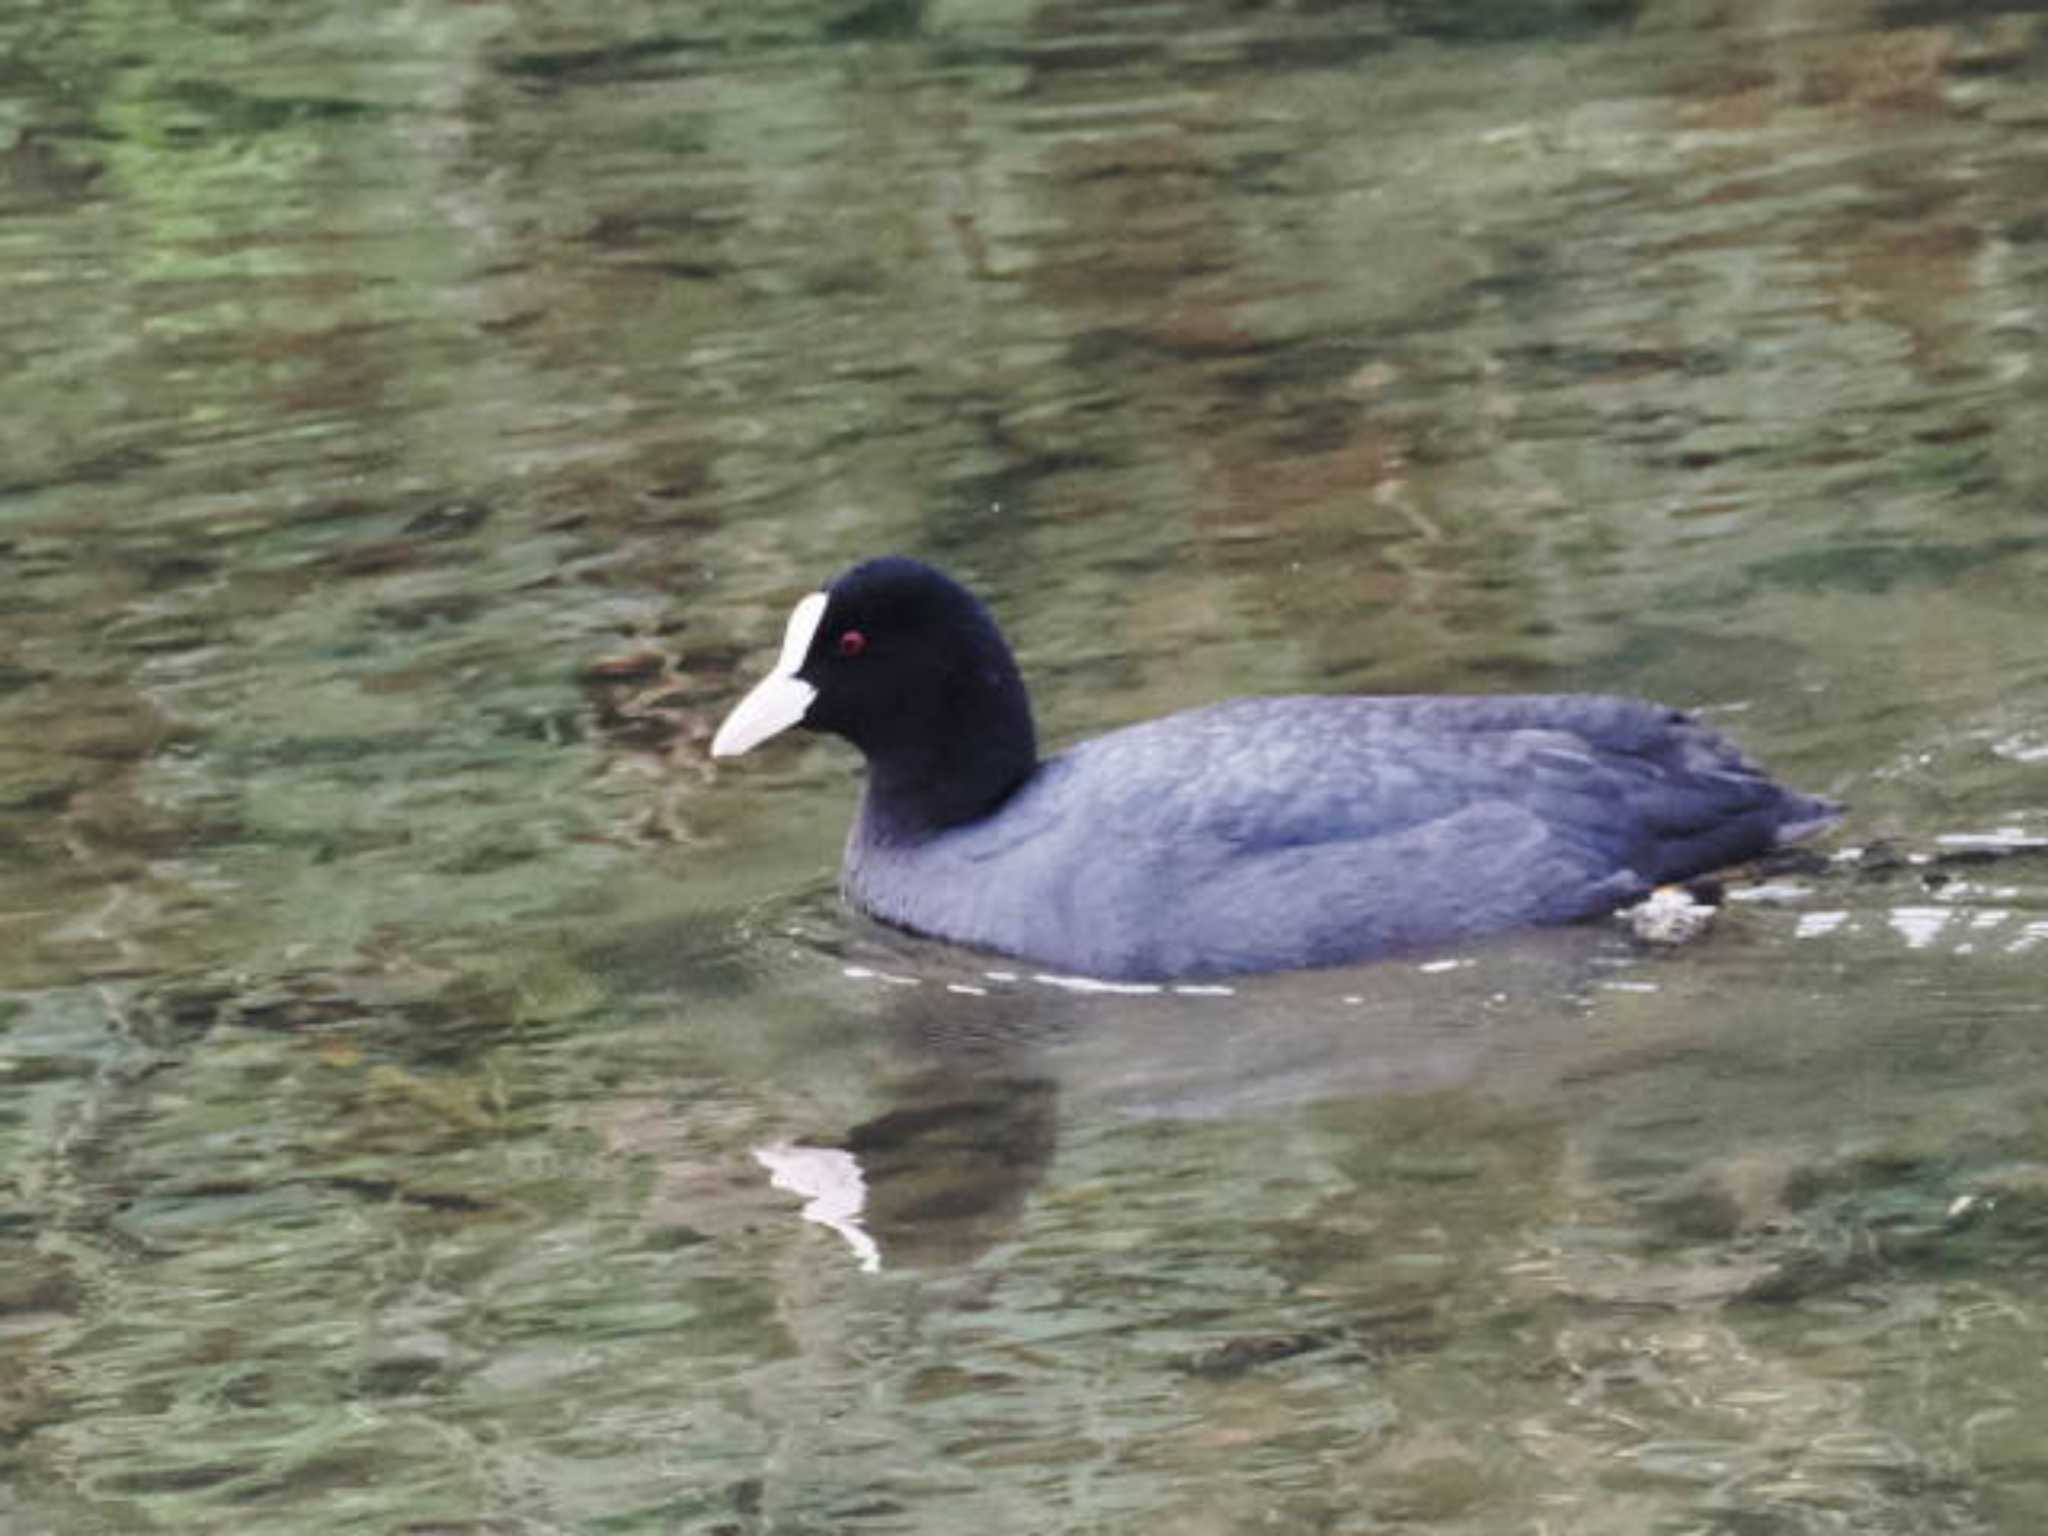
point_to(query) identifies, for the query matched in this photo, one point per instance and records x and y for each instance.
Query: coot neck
(955, 761)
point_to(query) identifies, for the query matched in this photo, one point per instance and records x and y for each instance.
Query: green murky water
(415, 1062)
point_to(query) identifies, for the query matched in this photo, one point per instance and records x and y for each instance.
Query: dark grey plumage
(1260, 834)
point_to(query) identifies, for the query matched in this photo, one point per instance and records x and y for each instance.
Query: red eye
(852, 643)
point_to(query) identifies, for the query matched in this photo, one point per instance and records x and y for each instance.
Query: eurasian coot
(1255, 835)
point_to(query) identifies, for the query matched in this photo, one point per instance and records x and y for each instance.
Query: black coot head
(899, 651)
(906, 664)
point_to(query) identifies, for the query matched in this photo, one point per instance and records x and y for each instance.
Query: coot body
(1254, 835)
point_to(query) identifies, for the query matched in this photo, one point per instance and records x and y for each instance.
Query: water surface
(415, 1060)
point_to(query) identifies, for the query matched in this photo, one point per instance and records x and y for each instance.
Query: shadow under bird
(1254, 835)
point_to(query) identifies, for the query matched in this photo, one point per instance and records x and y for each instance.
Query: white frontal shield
(779, 700)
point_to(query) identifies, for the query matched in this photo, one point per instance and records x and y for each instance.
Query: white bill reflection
(834, 1192)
